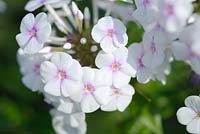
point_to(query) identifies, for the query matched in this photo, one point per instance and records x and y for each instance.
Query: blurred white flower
(30, 68)
(190, 115)
(32, 5)
(174, 14)
(116, 65)
(73, 123)
(2, 6)
(34, 32)
(146, 11)
(185, 48)
(110, 33)
(135, 59)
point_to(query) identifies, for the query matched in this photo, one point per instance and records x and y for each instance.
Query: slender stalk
(56, 17)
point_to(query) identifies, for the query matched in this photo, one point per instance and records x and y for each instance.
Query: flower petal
(185, 115)
(89, 104)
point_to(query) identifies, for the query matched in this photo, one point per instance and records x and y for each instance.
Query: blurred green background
(152, 111)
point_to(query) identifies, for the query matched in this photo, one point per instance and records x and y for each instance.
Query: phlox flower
(30, 68)
(174, 14)
(32, 5)
(146, 11)
(190, 115)
(154, 50)
(183, 49)
(34, 32)
(110, 33)
(61, 74)
(135, 59)
(94, 89)
(68, 123)
(120, 98)
(116, 65)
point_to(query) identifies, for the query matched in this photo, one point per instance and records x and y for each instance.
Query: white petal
(98, 34)
(41, 21)
(103, 59)
(180, 50)
(128, 70)
(105, 23)
(107, 44)
(193, 102)
(27, 23)
(102, 95)
(42, 35)
(185, 115)
(72, 89)
(48, 71)
(33, 82)
(53, 87)
(123, 102)
(121, 54)
(89, 104)
(127, 90)
(65, 107)
(61, 60)
(88, 75)
(194, 126)
(195, 64)
(103, 77)
(120, 79)
(77, 119)
(75, 71)
(33, 5)
(143, 76)
(111, 106)
(120, 40)
(33, 46)
(22, 39)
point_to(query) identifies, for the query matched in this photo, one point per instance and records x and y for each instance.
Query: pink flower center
(115, 66)
(89, 88)
(145, 3)
(153, 47)
(62, 74)
(37, 69)
(140, 63)
(169, 9)
(33, 32)
(116, 91)
(110, 32)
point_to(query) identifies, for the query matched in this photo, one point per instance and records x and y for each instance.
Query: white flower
(124, 11)
(95, 89)
(34, 32)
(146, 11)
(120, 98)
(32, 5)
(190, 115)
(154, 50)
(116, 65)
(2, 6)
(174, 14)
(110, 33)
(135, 59)
(30, 68)
(61, 74)
(183, 49)
(68, 123)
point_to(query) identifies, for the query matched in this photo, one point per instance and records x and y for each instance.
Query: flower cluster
(81, 67)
